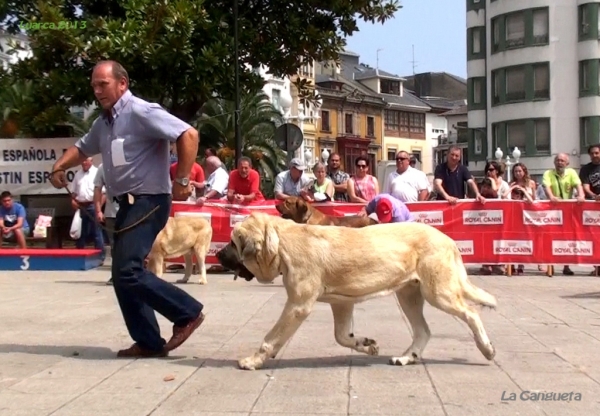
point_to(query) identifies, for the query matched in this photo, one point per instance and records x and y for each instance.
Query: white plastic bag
(75, 232)
(41, 226)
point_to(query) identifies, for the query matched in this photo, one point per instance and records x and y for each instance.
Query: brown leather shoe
(181, 334)
(135, 351)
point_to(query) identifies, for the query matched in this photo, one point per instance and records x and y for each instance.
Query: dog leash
(104, 227)
(120, 230)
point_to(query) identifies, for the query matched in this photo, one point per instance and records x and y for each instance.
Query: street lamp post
(301, 117)
(516, 153)
(286, 101)
(308, 157)
(236, 116)
(325, 156)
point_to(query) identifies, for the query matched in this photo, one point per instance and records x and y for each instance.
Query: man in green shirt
(559, 183)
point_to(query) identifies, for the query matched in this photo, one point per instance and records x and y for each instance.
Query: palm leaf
(258, 121)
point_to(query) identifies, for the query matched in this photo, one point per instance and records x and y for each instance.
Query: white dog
(343, 266)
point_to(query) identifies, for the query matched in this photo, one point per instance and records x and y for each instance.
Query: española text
(536, 396)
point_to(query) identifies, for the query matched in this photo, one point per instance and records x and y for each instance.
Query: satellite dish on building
(289, 137)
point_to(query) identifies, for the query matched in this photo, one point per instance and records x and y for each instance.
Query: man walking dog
(133, 137)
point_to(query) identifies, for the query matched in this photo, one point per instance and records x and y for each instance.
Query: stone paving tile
(61, 332)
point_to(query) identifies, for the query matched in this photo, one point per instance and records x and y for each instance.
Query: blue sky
(437, 28)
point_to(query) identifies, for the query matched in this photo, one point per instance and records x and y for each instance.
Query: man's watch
(183, 181)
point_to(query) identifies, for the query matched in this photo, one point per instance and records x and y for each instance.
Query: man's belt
(127, 197)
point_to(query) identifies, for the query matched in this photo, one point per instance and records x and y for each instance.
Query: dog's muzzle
(228, 258)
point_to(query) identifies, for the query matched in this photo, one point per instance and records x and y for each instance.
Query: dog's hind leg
(412, 302)
(342, 319)
(156, 263)
(454, 303)
(294, 313)
(189, 267)
(201, 261)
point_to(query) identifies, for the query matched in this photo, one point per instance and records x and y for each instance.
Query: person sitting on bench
(13, 221)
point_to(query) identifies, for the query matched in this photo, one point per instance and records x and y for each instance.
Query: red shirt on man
(246, 186)
(196, 174)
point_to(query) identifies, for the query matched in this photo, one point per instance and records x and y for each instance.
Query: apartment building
(350, 119)
(443, 92)
(403, 114)
(533, 71)
(302, 113)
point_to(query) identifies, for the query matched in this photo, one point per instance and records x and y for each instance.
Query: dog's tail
(469, 290)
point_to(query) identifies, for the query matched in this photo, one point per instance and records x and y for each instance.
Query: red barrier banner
(497, 232)
(223, 216)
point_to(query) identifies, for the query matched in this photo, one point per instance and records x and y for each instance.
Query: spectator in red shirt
(244, 184)
(197, 179)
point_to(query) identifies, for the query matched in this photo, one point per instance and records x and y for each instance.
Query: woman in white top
(522, 183)
(522, 180)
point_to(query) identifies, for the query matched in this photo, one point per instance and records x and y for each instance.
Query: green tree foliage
(15, 106)
(258, 121)
(82, 125)
(179, 53)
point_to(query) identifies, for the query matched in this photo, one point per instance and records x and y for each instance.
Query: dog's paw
(367, 342)
(183, 280)
(368, 346)
(203, 282)
(248, 363)
(404, 360)
(373, 349)
(488, 351)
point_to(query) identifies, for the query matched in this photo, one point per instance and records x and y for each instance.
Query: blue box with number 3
(49, 259)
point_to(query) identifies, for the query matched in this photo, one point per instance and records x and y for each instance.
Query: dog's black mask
(228, 258)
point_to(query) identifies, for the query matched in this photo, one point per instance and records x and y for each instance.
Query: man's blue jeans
(138, 291)
(90, 229)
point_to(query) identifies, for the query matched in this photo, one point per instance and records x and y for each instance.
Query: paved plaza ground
(61, 330)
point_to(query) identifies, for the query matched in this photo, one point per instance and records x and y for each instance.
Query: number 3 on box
(25, 263)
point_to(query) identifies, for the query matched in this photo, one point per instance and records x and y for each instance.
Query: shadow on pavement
(590, 295)
(318, 362)
(103, 283)
(69, 351)
(102, 353)
(86, 282)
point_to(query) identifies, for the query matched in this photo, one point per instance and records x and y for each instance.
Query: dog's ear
(238, 238)
(238, 242)
(257, 243)
(302, 209)
(247, 246)
(269, 252)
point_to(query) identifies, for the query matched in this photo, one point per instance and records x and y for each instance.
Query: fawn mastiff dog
(343, 266)
(298, 210)
(182, 236)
